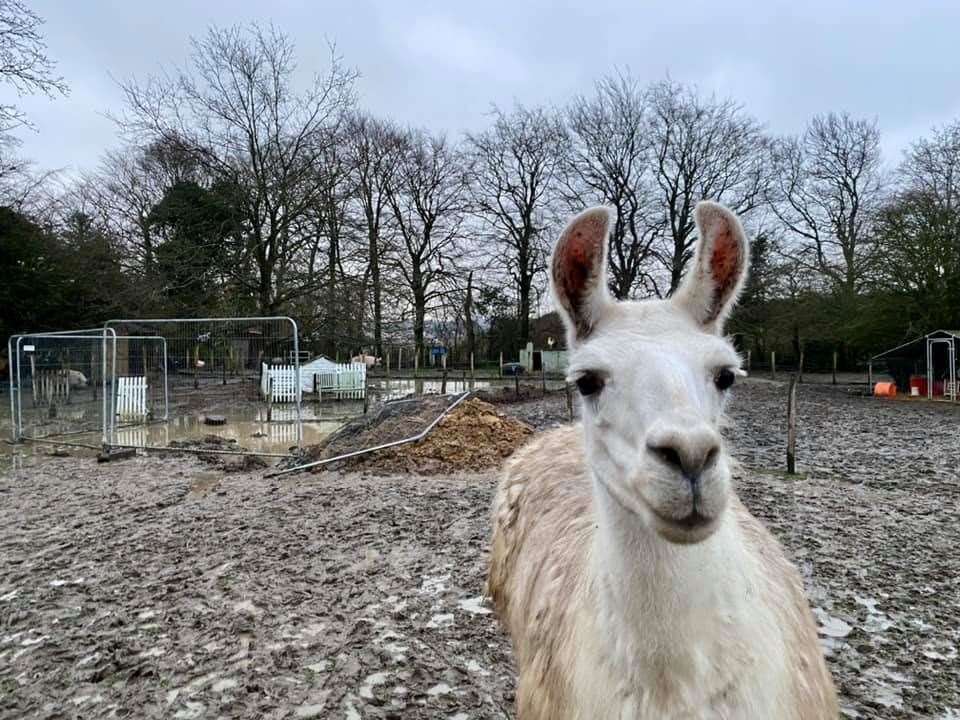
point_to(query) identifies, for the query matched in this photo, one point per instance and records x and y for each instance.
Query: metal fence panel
(61, 384)
(216, 366)
(66, 383)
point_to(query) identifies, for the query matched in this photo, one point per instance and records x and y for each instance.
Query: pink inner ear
(724, 263)
(578, 257)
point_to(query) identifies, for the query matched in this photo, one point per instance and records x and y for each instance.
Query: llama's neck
(670, 590)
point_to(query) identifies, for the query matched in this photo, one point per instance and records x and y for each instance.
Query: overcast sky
(441, 65)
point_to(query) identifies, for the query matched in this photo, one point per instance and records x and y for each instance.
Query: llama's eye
(589, 384)
(724, 378)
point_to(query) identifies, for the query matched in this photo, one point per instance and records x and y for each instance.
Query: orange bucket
(885, 389)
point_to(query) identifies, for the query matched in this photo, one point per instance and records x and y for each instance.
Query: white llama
(631, 579)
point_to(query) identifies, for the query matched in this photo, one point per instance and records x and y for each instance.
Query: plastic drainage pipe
(413, 438)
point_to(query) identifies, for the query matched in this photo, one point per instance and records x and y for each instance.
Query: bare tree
(609, 162)
(123, 191)
(514, 168)
(918, 234)
(931, 166)
(24, 62)
(26, 67)
(375, 151)
(236, 110)
(332, 228)
(828, 185)
(702, 148)
(428, 201)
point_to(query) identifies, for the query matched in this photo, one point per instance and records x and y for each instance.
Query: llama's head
(654, 375)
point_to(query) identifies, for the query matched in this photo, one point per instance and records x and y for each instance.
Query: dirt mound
(473, 437)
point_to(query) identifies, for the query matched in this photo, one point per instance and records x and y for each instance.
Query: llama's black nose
(690, 452)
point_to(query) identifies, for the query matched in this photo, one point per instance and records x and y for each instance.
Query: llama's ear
(579, 272)
(711, 286)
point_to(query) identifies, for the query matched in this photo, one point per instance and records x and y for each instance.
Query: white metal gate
(950, 381)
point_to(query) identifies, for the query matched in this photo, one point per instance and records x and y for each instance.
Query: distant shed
(928, 363)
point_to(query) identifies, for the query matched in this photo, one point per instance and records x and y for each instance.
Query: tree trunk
(525, 282)
(419, 314)
(265, 299)
(468, 315)
(377, 298)
(331, 315)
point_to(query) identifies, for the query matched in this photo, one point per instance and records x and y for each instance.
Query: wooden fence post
(773, 364)
(443, 382)
(792, 427)
(800, 368)
(388, 363)
(834, 367)
(270, 398)
(399, 359)
(471, 366)
(500, 366)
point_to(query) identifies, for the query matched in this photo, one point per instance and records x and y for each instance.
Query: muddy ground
(164, 587)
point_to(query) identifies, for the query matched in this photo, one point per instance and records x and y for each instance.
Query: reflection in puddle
(248, 426)
(254, 435)
(395, 389)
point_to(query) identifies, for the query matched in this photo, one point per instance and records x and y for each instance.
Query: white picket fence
(345, 381)
(51, 386)
(131, 402)
(278, 383)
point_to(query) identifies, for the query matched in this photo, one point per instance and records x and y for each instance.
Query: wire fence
(216, 369)
(84, 382)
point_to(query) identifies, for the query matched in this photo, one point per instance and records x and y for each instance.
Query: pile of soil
(473, 437)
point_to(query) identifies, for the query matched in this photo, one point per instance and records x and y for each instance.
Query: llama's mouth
(691, 528)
